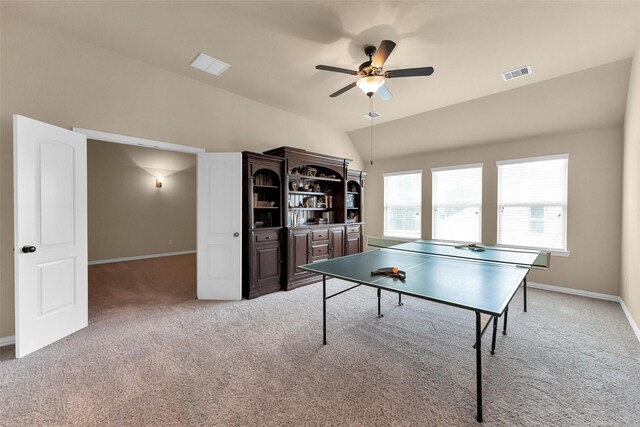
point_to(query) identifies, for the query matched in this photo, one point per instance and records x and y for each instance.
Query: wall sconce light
(159, 181)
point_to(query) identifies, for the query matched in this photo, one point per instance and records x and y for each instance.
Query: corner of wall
(629, 269)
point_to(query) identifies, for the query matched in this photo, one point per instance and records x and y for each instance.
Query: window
(532, 202)
(403, 204)
(457, 203)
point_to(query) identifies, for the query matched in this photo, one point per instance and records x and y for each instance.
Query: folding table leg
(400, 299)
(379, 293)
(324, 309)
(495, 331)
(504, 324)
(525, 293)
(478, 366)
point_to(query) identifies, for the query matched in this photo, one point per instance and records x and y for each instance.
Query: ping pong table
(482, 279)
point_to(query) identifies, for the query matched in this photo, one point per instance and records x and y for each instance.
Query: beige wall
(127, 214)
(60, 80)
(630, 274)
(594, 206)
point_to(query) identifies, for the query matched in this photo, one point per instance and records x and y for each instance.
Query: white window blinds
(457, 203)
(532, 202)
(403, 204)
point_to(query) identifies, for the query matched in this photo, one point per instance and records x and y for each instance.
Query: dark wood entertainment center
(298, 207)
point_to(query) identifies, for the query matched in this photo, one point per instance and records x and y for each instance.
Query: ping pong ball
(395, 269)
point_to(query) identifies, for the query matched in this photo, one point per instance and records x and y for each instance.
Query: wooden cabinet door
(267, 259)
(299, 253)
(353, 243)
(336, 242)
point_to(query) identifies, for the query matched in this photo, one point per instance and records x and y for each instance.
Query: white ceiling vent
(372, 115)
(517, 73)
(209, 65)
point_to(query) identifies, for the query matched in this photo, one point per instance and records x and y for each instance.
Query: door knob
(236, 234)
(28, 249)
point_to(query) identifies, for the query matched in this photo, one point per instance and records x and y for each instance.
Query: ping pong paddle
(471, 247)
(390, 272)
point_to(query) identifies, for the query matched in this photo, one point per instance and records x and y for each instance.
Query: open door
(219, 224)
(50, 228)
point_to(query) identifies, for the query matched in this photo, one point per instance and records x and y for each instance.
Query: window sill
(553, 252)
(404, 239)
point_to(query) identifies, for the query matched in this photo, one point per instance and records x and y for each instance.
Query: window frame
(564, 252)
(384, 204)
(433, 195)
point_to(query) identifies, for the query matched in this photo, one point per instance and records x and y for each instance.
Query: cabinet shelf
(352, 192)
(266, 207)
(275, 187)
(310, 209)
(314, 178)
(308, 193)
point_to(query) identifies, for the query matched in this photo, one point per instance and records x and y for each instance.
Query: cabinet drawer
(353, 229)
(267, 237)
(317, 235)
(319, 250)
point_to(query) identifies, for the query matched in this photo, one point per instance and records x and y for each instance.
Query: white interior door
(50, 225)
(219, 226)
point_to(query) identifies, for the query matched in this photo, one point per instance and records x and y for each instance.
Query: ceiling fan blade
(409, 72)
(343, 90)
(383, 52)
(336, 69)
(384, 93)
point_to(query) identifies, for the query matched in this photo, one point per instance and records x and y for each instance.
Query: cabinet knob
(236, 234)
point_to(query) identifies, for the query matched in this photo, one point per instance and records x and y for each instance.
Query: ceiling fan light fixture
(370, 84)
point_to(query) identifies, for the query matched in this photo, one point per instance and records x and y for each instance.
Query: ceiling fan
(371, 74)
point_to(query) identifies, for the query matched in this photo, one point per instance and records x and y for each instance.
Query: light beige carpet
(173, 360)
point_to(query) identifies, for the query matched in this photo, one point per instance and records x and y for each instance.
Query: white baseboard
(4, 341)
(135, 258)
(572, 291)
(590, 294)
(634, 326)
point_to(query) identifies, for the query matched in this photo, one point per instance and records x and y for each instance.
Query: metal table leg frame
(504, 323)
(400, 299)
(525, 293)
(324, 309)
(495, 331)
(478, 366)
(379, 294)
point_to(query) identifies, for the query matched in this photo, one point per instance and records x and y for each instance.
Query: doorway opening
(141, 228)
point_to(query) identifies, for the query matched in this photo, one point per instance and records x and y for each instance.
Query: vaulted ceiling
(274, 46)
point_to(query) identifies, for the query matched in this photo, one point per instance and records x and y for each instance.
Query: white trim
(386, 241)
(132, 140)
(532, 159)
(5, 341)
(413, 172)
(634, 326)
(553, 252)
(572, 291)
(456, 167)
(590, 294)
(135, 258)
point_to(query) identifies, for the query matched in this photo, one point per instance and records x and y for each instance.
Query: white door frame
(127, 140)
(141, 142)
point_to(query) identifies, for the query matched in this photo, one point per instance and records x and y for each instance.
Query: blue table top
(467, 283)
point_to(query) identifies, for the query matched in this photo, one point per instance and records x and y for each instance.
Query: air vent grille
(517, 73)
(209, 64)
